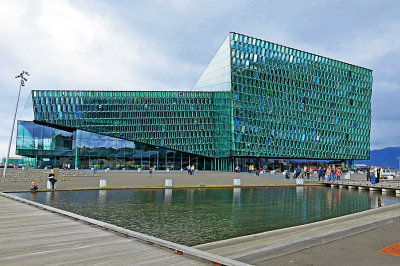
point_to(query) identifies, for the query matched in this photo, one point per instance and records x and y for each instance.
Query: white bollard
(347, 176)
(236, 182)
(167, 169)
(299, 181)
(103, 183)
(49, 185)
(139, 169)
(168, 182)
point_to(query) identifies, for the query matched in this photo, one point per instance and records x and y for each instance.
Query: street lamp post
(398, 158)
(21, 84)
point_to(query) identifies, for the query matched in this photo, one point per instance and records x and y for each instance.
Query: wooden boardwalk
(32, 236)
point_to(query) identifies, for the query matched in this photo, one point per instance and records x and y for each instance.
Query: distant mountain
(384, 158)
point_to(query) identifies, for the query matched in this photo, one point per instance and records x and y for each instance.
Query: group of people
(374, 173)
(66, 166)
(52, 179)
(250, 169)
(190, 169)
(330, 172)
(303, 172)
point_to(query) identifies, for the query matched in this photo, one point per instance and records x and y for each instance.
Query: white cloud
(65, 47)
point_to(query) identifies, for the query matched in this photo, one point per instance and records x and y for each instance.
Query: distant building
(255, 100)
(13, 161)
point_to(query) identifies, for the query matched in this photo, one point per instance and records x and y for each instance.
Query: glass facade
(52, 147)
(292, 104)
(255, 99)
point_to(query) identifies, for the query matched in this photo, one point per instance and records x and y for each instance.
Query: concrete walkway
(265, 246)
(357, 250)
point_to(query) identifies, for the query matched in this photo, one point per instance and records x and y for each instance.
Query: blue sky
(166, 44)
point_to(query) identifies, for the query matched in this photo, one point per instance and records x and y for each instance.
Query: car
(388, 172)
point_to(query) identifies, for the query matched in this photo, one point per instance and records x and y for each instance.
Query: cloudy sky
(165, 44)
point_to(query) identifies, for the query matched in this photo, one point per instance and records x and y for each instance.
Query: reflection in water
(167, 195)
(102, 196)
(237, 205)
(299, 192)
(236, 192)
(195, 216)
(33, 196)
(49, 198)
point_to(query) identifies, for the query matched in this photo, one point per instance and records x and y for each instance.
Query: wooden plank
(95, 250)
(32, 236)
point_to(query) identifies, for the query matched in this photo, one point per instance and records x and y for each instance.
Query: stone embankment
(26, 175)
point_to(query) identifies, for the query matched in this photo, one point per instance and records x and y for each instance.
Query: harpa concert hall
(255, 101)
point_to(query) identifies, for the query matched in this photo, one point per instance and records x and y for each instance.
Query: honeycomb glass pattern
(192, 122)
(292, 104)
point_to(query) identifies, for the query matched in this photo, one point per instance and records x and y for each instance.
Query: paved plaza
(85, 179)
(19, 180)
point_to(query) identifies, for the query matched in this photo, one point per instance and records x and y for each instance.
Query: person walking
(368, 173)
(151, 170)
(297, 172)
(237, 169)
(52, 179)
(188, 169)
(321, 173)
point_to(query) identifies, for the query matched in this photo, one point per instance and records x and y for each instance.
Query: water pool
(196, 216)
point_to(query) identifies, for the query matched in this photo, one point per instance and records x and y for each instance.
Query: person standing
(368, 173)
(151, 170)
(378, 174)
(52, 179)
(337, 173)
(333, 172)
(188, 169)
(329, 173)
(303, 171)
(34, 187)
(192, 169)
